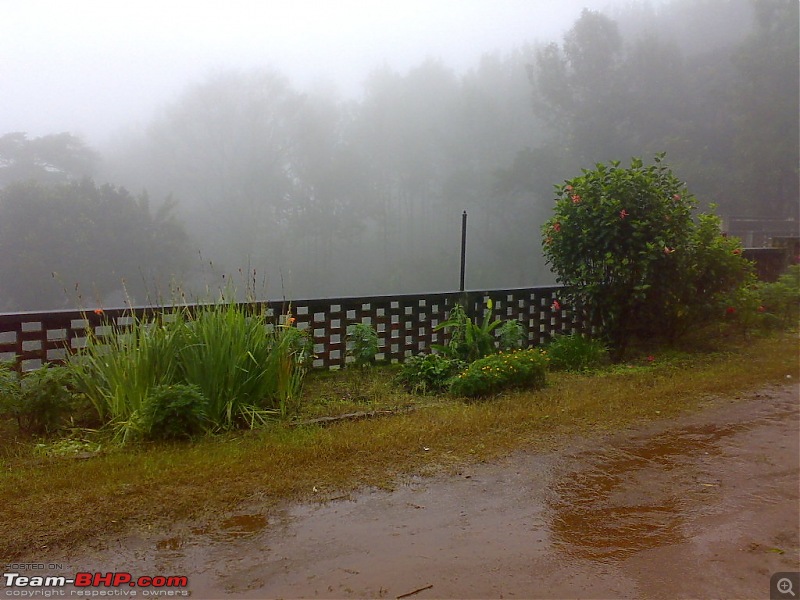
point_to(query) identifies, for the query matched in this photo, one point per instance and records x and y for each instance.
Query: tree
(766, 108)
(634, 261)
(48, 159)
(577, 87)
(75, 243)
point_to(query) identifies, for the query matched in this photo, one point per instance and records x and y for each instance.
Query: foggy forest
(244, 180)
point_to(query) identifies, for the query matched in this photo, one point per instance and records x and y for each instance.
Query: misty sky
(93, 67)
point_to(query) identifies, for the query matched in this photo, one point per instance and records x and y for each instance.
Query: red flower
(651, 358)
(623, 213)
(676, 197)
(737, 251)
(98, 311)
(556, 226)
(556, 305)
(730, 310)
(576, 199)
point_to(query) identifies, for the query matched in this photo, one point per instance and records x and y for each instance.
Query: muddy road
(702, 506)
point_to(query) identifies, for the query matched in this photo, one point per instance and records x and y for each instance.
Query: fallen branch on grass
(355, 416)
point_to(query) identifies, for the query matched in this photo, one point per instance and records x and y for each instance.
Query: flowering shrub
(497, 372)
(625, 245)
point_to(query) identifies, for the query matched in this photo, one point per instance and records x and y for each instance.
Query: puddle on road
(505, 525)
(638, 495)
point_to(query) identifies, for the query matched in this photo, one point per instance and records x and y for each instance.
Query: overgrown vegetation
(217, 474)
(576, 352)
(429, 373)
(41, 402)
(216, 369)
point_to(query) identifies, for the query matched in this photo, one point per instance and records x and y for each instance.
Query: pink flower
(556, 305)
(623, 213)
(568, 188)
(556, 226)
(676, 197)
(576, 199)
(651, 358)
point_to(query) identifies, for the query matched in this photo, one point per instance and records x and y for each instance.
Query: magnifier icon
(784, 586)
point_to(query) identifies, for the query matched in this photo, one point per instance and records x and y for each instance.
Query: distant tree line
(309, 194)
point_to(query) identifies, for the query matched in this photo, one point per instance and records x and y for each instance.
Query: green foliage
(498, 372)
(757, 305)
(511, 335)
(576, 353)
(244, 368)
(782, 297)
(40, 400)
(468, 340)
(66, 447)
(362, 342)
(428, 373)
(175, 411)
(624, 243)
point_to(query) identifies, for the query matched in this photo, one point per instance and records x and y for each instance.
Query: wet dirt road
(702, 506)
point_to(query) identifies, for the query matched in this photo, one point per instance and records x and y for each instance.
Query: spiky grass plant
(246, 368)
(118, 371)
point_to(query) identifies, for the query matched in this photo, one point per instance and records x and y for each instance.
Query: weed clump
(576, 353)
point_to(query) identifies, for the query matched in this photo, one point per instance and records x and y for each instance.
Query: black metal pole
(463, 248)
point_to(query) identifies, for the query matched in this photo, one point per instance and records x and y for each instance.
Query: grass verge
(48, 506)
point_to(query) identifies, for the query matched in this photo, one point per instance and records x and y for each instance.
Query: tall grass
(117, 372)
(245, 368)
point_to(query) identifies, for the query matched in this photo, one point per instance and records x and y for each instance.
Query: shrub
(511, 335)
(428, 373)
(175, 411)
(497, 372)
(468, 340)
(625, 245)
(782, 297)
(39, 400)
(576, 353)
(362, 342)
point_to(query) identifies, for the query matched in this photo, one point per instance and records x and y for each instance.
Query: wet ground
(703, 506)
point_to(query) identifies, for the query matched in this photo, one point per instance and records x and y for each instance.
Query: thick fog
(154, 152)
